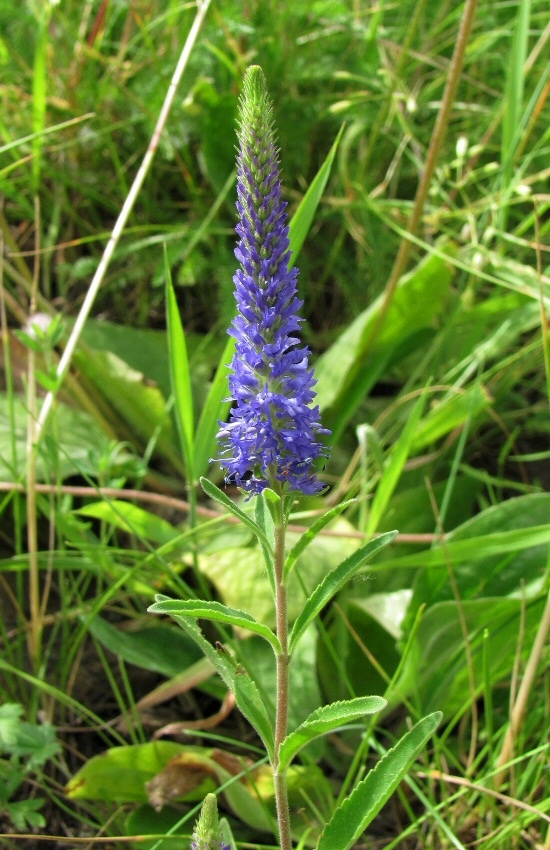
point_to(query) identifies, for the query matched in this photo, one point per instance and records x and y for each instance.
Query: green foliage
(334, 582)
(436, 393)
(325, 720)
(24, 749)
(367, 798)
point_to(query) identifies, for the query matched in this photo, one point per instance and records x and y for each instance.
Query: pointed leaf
(325, 720)
(312, 533)
(334, 581)
(237, 680)
(198, 609)
(303, 217)
(351, 819)
(394, 468)
(132, 519)
(265, 522)
(215, 408)
(180, 376)
(219, 496)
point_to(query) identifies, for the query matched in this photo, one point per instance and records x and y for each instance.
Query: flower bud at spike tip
(207, 833)
(271, 439)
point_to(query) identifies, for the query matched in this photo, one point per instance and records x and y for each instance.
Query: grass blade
(397, 461)
(180, 376)
(312, 532)
(215, 408)
(303, 217)
(39, 97)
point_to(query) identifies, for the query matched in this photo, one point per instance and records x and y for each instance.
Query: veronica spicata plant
(270, 448)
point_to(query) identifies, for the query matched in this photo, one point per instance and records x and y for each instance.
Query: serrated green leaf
(11, 714)
(197, 609)
(335, 580)
(351, 819)
(324, 720)
(24, 814)
(237, 680)
(312, 532)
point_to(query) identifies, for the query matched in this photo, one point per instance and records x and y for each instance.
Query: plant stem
(35, 625)
(283, 660)
(436, 142)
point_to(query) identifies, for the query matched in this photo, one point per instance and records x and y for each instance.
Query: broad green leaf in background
(120, 773)
(303, 217)
(180, 377)
(325, 720)
(499, 552)
(215, 611)
(438, 673)
(334, 581)
(143, 349)
(160, 772)
(160, 647)
(239, 574)
(132, 519)
(351, 819)
(77, 435)
(126, 399)
(342, 371)
(252, 802)
(143, 821)
(365, 644)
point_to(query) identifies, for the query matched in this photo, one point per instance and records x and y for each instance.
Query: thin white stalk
(527, 684)
(64, 363)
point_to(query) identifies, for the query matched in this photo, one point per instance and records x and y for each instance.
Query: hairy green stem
(283, 660)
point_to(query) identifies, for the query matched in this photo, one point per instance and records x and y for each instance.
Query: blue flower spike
(271, 439)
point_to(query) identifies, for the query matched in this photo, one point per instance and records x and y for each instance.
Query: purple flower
(272, 432)
(216, 845)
